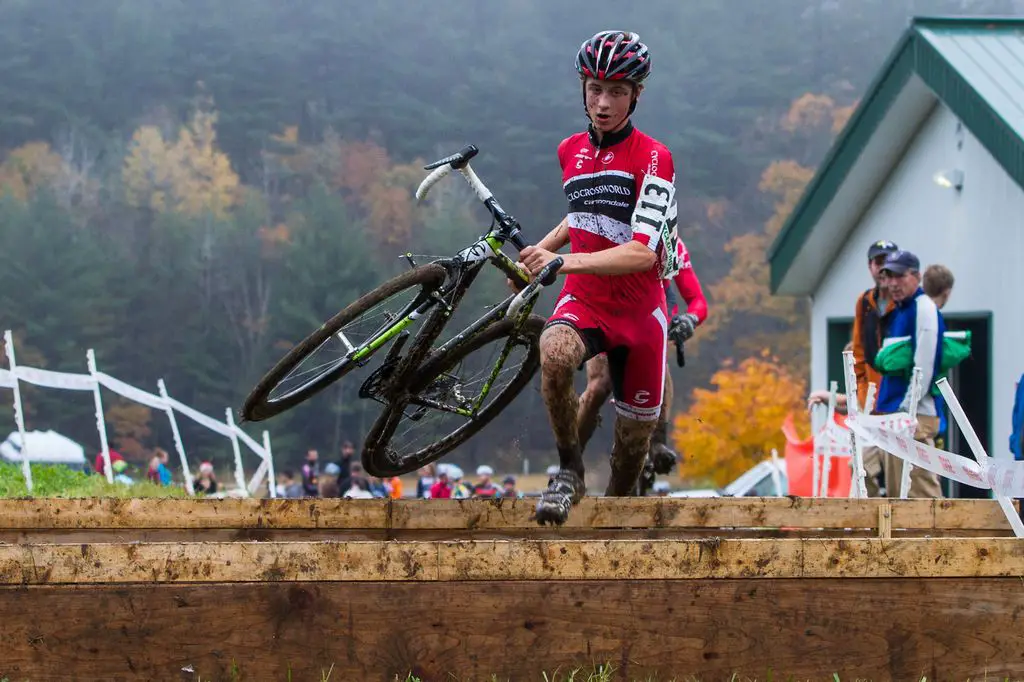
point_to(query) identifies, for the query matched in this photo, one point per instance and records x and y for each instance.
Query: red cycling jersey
(619, 190)
(689, 287)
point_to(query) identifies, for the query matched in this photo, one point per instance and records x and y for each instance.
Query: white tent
(44, 447)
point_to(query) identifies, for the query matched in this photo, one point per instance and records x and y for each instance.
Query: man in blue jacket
(916, 317)
(1017, 425)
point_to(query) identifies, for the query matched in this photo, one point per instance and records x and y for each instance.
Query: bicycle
(423, 379)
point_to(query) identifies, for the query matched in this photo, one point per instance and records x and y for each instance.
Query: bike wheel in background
(326, 355)
(412, 434)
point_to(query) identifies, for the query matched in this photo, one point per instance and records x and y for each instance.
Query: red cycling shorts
(635, 346)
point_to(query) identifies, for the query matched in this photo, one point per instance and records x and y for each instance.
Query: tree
(190, 176)
(744, 295)
(28, 168)
(130, 425)
(734, 426)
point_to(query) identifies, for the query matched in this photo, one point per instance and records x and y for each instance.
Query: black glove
(682, 327)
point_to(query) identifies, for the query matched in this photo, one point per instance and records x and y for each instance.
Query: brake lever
(545, 278)
(680, 357)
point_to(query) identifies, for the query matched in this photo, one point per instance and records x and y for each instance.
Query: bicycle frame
(462, 271)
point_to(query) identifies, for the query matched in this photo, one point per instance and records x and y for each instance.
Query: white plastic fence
(894, 433)
(95, 379)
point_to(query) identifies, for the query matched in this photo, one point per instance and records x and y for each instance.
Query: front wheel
(443, 408)
(335, 345)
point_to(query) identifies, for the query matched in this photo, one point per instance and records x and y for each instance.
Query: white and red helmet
(614, 55)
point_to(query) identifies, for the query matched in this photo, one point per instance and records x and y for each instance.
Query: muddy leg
(561, 351)
(599, 387)
(632, 439)
(662, 457)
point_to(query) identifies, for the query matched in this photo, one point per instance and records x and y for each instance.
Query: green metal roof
(975, 66)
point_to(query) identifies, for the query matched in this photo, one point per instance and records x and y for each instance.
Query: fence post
(239, 474)
(19, 415)
(90, 358)
(177, 437)
(915, 398)
(980, 454)
(775, 473)
(858, 487)
(271, 477)
(826, 458)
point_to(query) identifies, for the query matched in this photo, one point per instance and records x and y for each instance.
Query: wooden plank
(107, 512)
(889, 628)
(507, 560)
(400, 516)
(885, 521)
(216, 562)
(122, 535)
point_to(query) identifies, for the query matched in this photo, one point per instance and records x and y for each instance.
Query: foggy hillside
(202, 256)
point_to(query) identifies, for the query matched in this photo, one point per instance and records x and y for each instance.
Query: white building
(933, 159)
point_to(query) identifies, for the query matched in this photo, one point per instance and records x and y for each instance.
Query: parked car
(755, 482)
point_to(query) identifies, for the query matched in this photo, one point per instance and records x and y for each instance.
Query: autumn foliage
(187, 174)
(129, 423)
(734, 426)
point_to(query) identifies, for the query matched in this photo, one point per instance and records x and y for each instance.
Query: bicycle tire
(257, 407)
(375, 449)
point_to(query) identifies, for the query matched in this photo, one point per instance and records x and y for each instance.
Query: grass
(54, 480)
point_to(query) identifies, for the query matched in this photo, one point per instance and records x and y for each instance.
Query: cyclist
(660, 458)
(620, 185)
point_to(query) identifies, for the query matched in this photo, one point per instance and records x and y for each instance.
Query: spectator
(120, 476)
(508, 488)
(485, 486)
(460, 489)
(377, 487)
(820, 397)
(327, 484)
(311, 474)
(425, 481)
(206, 481)
(158, 471)
(1017, 424)
(937, 283)
(359, 489)
(917, 317)
(441, 490)
(289, 487)
(100, 467)
(394, 486)
(348, 451)
(873, 309)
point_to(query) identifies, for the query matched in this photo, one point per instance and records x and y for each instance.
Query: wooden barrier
(121, 520)
(287, 607)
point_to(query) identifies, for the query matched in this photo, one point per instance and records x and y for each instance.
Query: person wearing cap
(874, 306)
(206, 481)
(917, 317)
(485, 486)
(441, 488)
(508, 488)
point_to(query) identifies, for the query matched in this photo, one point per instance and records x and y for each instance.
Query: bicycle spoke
(338, 349)
(458, 388)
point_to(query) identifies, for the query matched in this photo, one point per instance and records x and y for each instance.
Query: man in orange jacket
(873, 308)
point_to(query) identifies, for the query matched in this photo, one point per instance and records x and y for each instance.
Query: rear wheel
(438, 413)
(326, 355)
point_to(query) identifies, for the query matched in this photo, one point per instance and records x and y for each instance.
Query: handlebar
(544, 278)
(460, 162)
